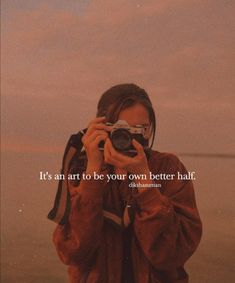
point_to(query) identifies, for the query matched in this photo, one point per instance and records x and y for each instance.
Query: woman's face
(136, 115)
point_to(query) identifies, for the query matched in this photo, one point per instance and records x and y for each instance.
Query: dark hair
(122, 96)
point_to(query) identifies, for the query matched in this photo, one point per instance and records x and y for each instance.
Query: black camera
(121, 136)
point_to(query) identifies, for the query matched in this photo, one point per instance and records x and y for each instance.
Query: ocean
(28, 254)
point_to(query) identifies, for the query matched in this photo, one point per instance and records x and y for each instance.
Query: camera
(121, 136)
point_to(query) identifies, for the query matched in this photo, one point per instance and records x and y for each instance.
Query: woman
(118, 233)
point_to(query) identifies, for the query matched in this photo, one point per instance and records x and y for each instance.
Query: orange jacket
(100, 245)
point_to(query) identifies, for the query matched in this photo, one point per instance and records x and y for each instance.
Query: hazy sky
(58, 57)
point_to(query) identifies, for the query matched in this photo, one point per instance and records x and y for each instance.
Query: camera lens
(121, 139)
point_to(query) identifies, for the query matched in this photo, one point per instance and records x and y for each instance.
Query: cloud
(112, 42)
(58, 61)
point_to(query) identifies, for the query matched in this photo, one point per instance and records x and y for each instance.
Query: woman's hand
(136, 165)
(97, 131)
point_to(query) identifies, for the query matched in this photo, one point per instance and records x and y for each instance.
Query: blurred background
(58, 57)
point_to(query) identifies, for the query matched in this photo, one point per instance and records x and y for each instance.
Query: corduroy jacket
(118, 234)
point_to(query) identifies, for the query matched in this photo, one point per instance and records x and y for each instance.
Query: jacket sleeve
(77, 241)
(167, 223)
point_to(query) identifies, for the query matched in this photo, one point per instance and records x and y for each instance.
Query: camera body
(122, 134)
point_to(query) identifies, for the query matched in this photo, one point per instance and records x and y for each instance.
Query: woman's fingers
(112, 155)
(93, 144)
(97, 124)
(138, 147)
(97, 120)
(136, 164)
(112, 161)
(100, 126)
(95, 134)
(108, 157)
(97, 140)
(95, 127)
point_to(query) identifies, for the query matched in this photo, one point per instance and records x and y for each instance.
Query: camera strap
(61, 209)
(62, 203)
